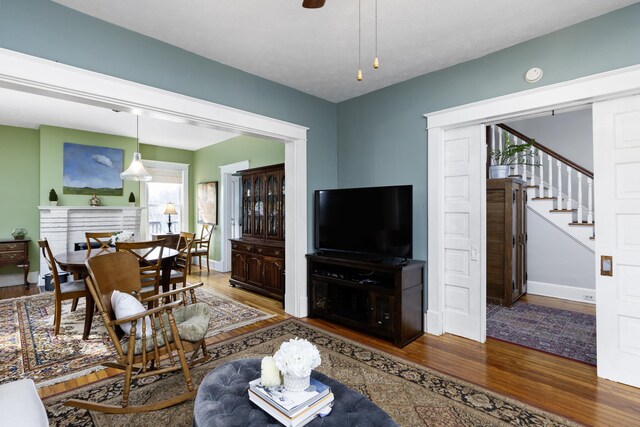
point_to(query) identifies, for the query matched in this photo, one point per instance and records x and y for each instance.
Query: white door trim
(585, 90)
(36, 75)
(226, 209)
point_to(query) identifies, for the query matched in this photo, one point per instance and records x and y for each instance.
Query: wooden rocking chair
(175, 329)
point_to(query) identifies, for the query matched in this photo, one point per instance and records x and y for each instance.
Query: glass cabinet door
(247, 209)
(258, 206)
(282, 209)
(273, 202)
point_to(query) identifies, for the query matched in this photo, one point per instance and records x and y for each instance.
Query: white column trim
(225, 253)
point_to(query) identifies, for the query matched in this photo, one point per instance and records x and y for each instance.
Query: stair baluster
(550, 183)
(569, 201)
(541, 182)
(560, 201)
(590, 201)
(579, 219)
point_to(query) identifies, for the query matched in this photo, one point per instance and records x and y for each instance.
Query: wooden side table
(15, 252)
(170, 240)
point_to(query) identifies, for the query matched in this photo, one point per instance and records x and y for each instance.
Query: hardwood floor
(552, 383)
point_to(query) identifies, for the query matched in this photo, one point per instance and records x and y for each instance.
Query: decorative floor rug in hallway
(561, 332)
(29, 349)
(410, 394)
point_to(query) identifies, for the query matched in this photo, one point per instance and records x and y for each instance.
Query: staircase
(559, 190)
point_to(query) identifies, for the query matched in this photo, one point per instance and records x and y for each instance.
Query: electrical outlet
(588, 297)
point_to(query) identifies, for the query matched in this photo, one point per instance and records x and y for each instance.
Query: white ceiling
(316, 50)
(27, 110)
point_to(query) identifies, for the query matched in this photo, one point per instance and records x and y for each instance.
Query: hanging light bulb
(359, 42)
(376, 63)
(136, 170)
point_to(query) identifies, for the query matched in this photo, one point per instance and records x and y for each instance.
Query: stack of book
(292, 408)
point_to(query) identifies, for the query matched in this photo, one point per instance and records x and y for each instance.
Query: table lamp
(169, 209)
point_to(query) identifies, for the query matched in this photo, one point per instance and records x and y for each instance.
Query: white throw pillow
(125, 305)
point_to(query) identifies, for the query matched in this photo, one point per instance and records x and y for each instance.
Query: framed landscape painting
(88, 169)
(208, 202)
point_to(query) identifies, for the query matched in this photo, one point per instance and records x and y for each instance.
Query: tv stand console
(384, 299)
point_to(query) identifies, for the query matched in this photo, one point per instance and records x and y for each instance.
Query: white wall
(555, 258)
(569, 134)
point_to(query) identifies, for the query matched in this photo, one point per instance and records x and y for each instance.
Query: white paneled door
(616, 144)
(464, 226)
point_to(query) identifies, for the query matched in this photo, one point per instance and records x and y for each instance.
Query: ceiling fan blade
(312, 4)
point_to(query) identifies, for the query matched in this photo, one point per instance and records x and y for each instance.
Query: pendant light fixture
(359, 41)
(376, 63)
(136, 170)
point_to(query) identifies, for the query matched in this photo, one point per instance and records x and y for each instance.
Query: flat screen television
(375, 221)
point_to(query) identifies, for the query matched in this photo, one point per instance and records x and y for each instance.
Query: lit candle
(270, 374)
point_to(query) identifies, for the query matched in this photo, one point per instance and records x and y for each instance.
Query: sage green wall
(259, 152)
(52, 140)
(19, 172)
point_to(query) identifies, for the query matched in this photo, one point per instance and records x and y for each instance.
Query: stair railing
(558, 184)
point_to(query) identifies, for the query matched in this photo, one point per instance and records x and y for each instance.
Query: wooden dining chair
(149, 256)
(101, 237)
(181, 265)
(201, 246)
(62, 290)
(169, 340)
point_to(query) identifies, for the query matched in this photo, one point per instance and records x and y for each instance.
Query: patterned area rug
(561, 332)
(412, 395)
(29, 349)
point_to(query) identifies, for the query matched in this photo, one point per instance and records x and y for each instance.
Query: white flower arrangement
(297, 357)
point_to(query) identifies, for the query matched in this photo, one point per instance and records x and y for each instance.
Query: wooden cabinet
(258, 265)
(379, 298)
(506, 240)
(257, 258)
(15, 252)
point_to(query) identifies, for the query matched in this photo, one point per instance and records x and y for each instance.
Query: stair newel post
(560, 199)
(579, 196)
(541, 183)
(569, 201)
(516, 166)
(524, 165)
(590, 200)
(550, 183)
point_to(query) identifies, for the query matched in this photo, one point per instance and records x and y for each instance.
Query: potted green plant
(509, 155)
(132, 199)
(53, 197)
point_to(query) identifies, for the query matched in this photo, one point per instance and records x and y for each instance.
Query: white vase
(54, 203)
(294, 383)
(499, 171)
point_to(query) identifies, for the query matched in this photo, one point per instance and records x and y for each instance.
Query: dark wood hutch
(257, 258)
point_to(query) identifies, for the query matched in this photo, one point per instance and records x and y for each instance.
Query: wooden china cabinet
(257, 258)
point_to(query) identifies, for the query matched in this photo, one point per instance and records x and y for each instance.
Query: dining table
(74, 262)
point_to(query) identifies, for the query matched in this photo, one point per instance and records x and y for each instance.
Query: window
(170, 184)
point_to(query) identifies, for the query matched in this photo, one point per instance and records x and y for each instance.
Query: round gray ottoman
(223, 400)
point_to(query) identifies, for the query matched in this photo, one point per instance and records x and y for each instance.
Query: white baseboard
(433, 321)
(17, 279)
(562, 291)
(216, 265)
